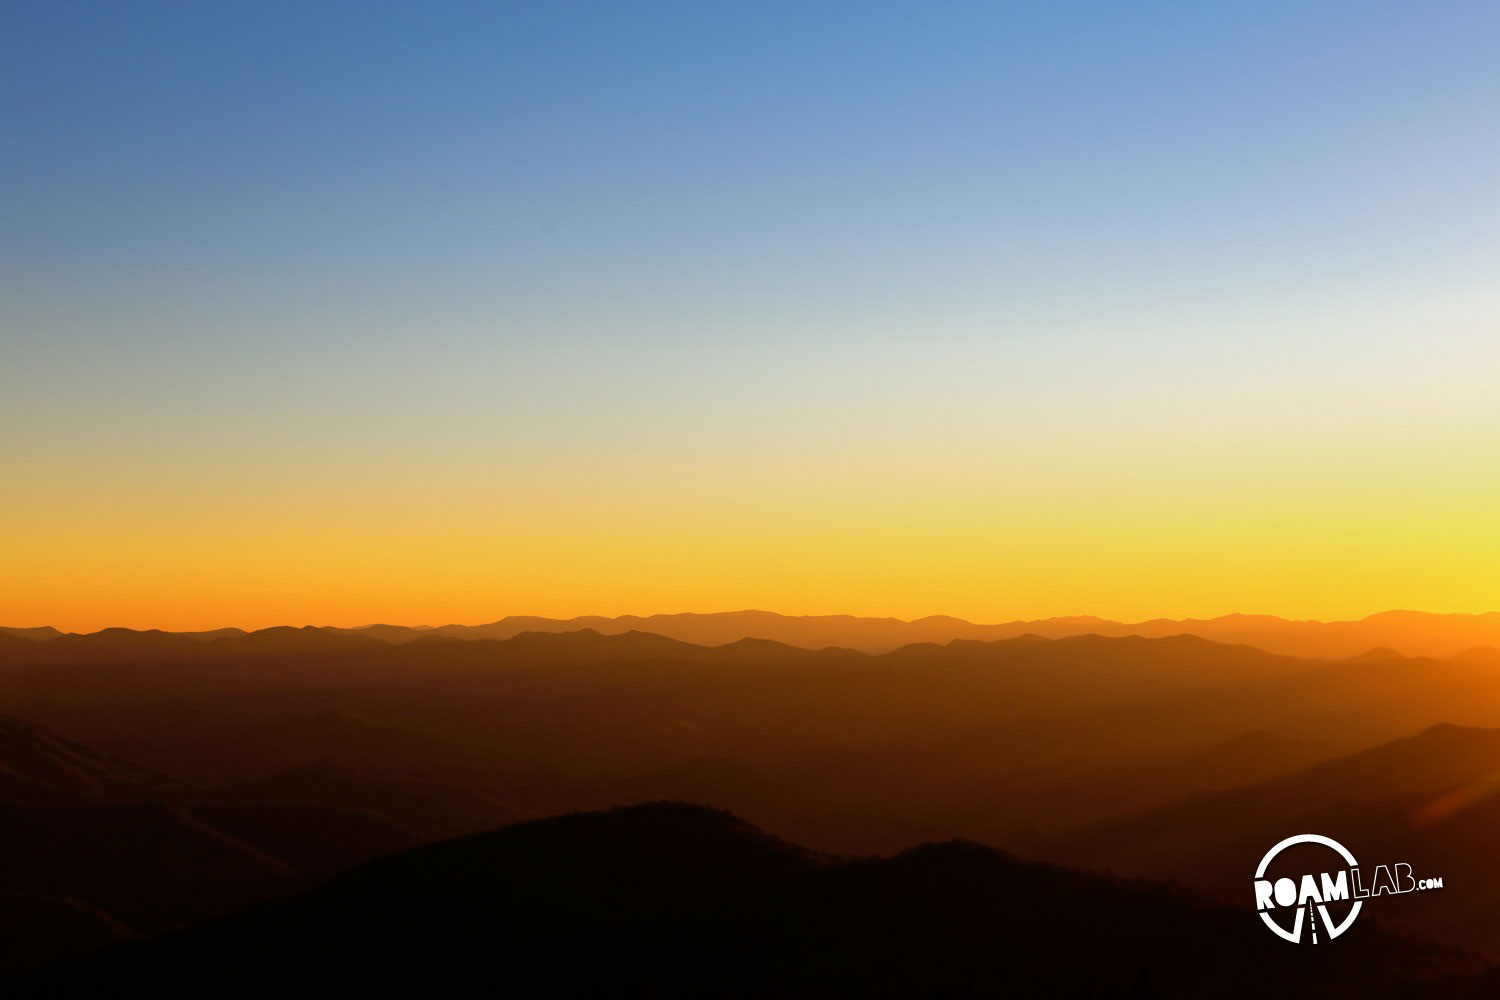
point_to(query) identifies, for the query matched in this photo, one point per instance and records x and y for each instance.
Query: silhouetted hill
(840, 750)
(843, 750)
(579, 701)
(258, 654)
(43, 632)
(1432, 801)
(92, 846)
(667, 899)
(287, 637)
(385, 633)
(1417, 633)
(1375, 654)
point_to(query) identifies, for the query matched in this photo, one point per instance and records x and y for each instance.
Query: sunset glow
(1029, 355)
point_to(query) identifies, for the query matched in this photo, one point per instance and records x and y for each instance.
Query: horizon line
(777, 614)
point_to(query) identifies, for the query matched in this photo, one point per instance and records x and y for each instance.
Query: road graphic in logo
(1309, 897)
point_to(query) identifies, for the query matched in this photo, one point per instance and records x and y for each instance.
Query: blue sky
(784, 158)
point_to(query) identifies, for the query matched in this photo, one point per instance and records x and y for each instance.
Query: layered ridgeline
(587, 702)
(1431, 801)
(98, 850)
(668, 899)
(1409, 633)
(151, 781)
(840, 749)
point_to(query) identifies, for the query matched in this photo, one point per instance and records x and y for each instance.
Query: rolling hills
(667, 899)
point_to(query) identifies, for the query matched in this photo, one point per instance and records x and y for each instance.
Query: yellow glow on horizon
(902, 480)
(981, 547)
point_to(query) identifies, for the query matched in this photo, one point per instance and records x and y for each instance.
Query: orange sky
(1213, 487)
(1126, 536)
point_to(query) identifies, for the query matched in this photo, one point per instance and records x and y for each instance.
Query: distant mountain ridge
(1413, 633)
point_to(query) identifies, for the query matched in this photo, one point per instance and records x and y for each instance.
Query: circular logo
(1310, 895)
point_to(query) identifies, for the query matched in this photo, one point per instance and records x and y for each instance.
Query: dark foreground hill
(667, 899)
(94, 849)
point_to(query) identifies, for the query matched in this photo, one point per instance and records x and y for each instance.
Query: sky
(424, 313)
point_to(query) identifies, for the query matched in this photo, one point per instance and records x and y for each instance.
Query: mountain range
(153, 783)
(1409, 633)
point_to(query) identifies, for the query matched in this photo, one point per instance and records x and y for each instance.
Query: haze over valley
(275, 758)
